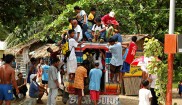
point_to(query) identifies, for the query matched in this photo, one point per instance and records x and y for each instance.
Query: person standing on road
(7, 79)
(94, 85)
(80, 75)
(53, 83)
(32, 69)
(45, 70)
(145, 95)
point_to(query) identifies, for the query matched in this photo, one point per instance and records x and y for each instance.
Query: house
(2, 48)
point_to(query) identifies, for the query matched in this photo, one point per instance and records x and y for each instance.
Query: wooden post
(170, 79)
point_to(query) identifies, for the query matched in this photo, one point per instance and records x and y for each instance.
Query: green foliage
(152, 48)
(3, 32)
(134, 16)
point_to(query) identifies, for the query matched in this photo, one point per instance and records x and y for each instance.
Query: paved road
(125, 100)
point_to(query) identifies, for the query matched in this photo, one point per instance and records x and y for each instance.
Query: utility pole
(170, 55)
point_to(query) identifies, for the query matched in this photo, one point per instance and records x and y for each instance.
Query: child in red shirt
(130, 56)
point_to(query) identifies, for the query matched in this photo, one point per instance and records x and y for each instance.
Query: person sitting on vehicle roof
(113, 31)
(98, 31)
(106, 19)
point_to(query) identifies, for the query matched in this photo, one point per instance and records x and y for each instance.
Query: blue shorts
(126, 68)
(6, 92)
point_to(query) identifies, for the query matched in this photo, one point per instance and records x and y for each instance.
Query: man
(45, 70)
(80, 75)
(53, 54)
(116, 60)
(7, 79)
(94, 85)
(53, 83)
(78, 31)
(32, 69)
(106, 19)
(21, 83)
(130, 56)
(35, 90)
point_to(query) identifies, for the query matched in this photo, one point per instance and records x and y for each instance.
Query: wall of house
(20, 66)
(1, 53)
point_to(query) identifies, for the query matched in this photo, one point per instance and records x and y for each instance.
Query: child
(144, 94)
(130, 56)
(70, 20)
(180, 88)
(91, 16)
(71, 60)
(94, 85)
(98, 31)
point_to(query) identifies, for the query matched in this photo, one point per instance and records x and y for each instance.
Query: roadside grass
(175, 84)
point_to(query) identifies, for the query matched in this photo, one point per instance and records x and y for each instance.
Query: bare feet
(40, 102)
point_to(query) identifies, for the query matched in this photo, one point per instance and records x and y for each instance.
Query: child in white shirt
(144, 94)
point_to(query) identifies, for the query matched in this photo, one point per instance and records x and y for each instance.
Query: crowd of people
(44, 74)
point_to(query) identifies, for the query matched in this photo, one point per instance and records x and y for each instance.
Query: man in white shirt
(78, 31)
(116, 60)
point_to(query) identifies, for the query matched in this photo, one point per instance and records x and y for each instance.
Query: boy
(80, 75)
(91, 16)
(82, 18)
(116, 60)
(145, 95)
(35, 90)
(70, 20)
(53, 83)
(72, 60)
(45, 70)
(94, 85)
(130, 56)
(98, 30)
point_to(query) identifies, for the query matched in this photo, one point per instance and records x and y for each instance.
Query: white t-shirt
(72, 45)
(80, 16)
(72, 61)
(96, 27)
(78, 29)
(144, 95)
(153, 78)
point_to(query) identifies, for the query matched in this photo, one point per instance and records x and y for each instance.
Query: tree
(134, 16)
